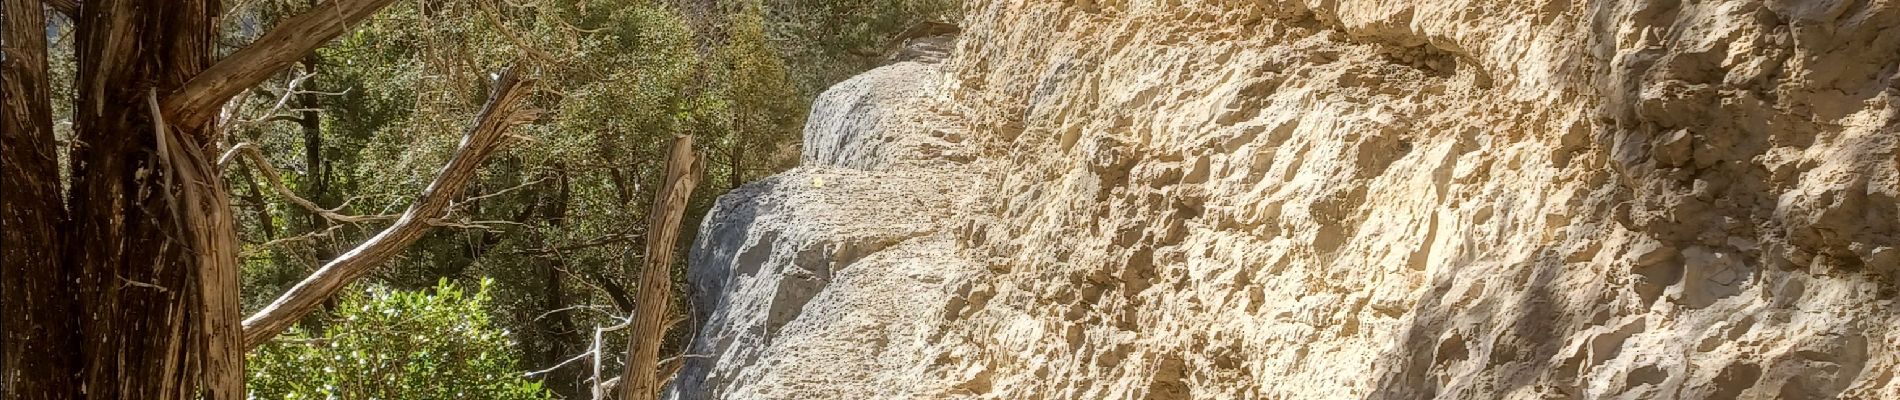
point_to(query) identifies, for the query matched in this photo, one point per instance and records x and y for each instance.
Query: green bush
(390, 344)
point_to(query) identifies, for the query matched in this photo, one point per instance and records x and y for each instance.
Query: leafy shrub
(390, 344)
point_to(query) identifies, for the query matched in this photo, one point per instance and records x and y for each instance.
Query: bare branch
(224, 160)
(507, 107)
(670, 360)
(276, 50)
(501, 192)
(477, 225)
(612, 238)
(569, 308)
(308, 236)
(556, 366)
(276, 182)
(493, 18)
(290, 90)
(601, 387)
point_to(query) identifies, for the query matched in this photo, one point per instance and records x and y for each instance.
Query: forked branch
(507, 106)
(276, 50)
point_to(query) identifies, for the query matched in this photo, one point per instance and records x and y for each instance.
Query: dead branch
(608, 239)
(641, 376)
(500, 192)
(308, 236)
(276, 50)
(601, 388)
(276, 183)
(583, 355)
(596, 308)
(506, 107)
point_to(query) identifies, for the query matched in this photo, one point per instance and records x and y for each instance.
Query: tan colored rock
(1340, 199)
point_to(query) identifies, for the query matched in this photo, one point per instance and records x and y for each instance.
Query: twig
(308, 236)
(577, 307)
(129, 282)
(531, 374)
(277, 185)
(498, 193)
(225, 159)
(494, 17)
(676, 358)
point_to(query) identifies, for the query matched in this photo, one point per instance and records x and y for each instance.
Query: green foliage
(394, 344)
(756, 108)
(829, 40)
(562, 207)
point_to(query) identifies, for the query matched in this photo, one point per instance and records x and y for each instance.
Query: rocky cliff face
(1348, 199)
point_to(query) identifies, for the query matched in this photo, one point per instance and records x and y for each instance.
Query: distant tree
(760, 107)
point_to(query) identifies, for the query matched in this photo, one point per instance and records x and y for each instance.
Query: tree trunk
(640, 380)
(127, 288)
(39, 309)
(147, 210)
(259, 208)
(316, 179)
(735, 173)
(559, 330)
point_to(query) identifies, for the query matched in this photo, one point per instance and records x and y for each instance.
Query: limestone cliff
(1338, 199)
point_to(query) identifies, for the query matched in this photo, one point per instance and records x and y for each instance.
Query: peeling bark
(142, 324)
(641, 376)
(128, 284)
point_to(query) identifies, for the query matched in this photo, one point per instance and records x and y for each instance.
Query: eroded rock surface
(1346, 199)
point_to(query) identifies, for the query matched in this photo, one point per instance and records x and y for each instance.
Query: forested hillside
(510, 291)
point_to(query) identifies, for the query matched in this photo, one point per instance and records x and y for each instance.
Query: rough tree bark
(506, 108)
(135, 208)
(40, 305)
(129, 281)
(640, 380)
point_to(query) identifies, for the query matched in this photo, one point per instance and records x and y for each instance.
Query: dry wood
(276, 50)
(142, 327)
(276, 183)
(506, 108)
(640, 380)
(206, 221)
(602, 387)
